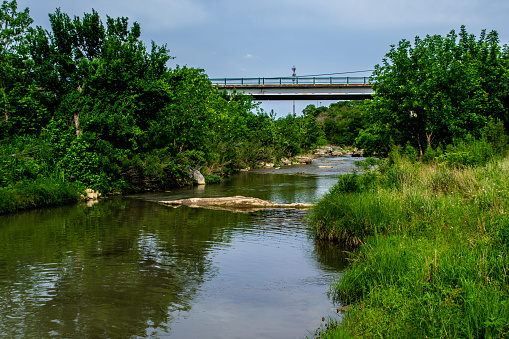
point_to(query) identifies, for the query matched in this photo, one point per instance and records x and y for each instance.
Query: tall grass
(432, 250)
(42, 192)
(29, 177)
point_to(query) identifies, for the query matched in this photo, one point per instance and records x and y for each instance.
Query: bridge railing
(291, 81)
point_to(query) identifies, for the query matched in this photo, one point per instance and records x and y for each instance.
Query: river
(128, 267)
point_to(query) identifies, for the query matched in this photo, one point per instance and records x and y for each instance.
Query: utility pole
(294, 75)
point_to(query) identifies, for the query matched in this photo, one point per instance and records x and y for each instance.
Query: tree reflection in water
(127, 268)
(111, 270)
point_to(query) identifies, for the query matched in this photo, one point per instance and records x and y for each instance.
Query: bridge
(299, 88)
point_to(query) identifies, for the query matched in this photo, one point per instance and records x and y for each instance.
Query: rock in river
(196, 175)
(236, 203)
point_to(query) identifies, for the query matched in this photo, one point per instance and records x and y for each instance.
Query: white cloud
(251, 56)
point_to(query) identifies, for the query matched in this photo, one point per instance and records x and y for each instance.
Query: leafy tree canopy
(436, 90)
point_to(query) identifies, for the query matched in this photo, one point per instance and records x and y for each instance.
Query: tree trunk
(77, 116)
(77, 124)
(6, 112)
(428, 138)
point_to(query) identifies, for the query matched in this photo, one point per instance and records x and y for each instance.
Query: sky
(266, 38)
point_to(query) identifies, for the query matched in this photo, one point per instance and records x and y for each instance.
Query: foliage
(19, 98)
(437, 90)
(338, 124)
(88, 103)
(42, 192)
(342, 121)
(213, 179)
(430, 257)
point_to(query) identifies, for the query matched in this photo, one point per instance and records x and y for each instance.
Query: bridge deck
(297, 88)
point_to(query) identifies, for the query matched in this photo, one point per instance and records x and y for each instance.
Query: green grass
(42, 192)
(431, 256)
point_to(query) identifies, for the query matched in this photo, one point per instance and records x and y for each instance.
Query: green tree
(86, 64)
(438, 89)
(19, 97)
(342, 121)
(106, 112)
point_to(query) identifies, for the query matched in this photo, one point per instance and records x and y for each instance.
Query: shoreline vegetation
(429, 249)
(50, 191)
(427, 229)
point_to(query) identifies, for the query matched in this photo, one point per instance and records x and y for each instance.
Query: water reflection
(131, 268)
(103, 271)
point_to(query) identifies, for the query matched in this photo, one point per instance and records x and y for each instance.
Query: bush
(213, 179)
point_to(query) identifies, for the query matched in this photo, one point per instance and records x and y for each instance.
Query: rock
(285, 162)
(91, 194)
(303, 160)
(336, 154)
(235, 204)
(320, 152)
(324, 166)
(269, 165)
(247, 169)
(357, 153)
(196, 175)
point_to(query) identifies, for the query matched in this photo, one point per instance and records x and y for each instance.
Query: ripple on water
(129, 267)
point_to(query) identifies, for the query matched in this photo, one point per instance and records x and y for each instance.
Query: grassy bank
(430, 255)
(43, 192)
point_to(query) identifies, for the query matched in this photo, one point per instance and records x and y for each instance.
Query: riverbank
(43, 192)
(430, 250)
(48, 191)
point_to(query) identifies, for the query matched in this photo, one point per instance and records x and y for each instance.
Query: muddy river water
(128, 267)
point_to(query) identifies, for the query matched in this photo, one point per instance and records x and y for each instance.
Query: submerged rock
(236, 204)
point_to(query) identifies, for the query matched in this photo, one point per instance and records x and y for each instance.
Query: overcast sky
(265, 38)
